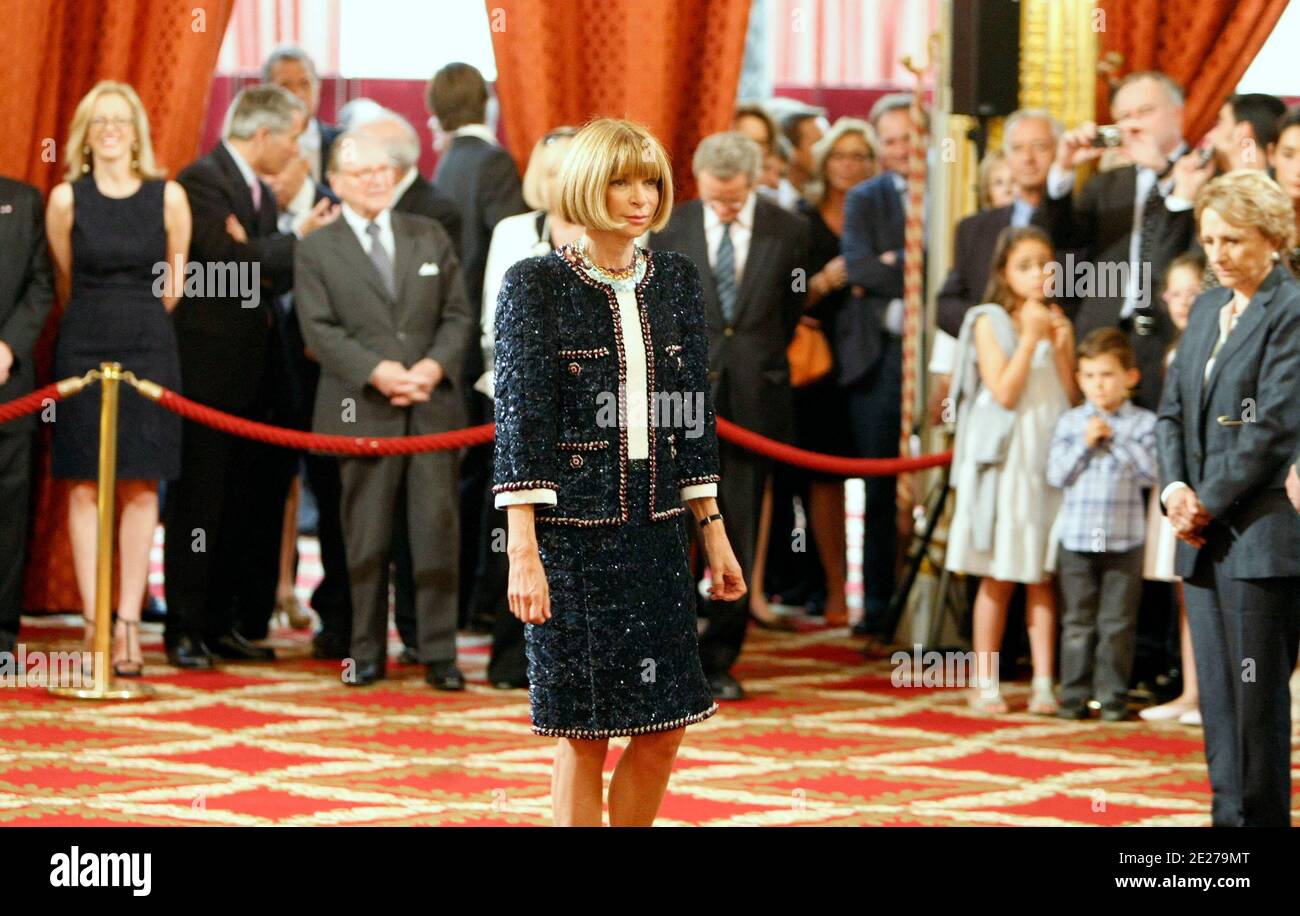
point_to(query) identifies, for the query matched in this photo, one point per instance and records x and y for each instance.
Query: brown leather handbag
(809, 353)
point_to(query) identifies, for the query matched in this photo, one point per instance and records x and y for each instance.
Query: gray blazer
(1232, 438)
(350, 322)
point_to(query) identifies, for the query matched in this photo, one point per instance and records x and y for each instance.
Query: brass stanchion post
(104, 687)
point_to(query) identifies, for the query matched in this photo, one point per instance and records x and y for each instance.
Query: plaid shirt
(1103, 509)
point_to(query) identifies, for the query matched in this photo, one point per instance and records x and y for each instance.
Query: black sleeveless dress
(113, 315)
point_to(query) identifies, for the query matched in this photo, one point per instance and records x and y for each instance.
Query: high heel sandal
(292, 613)
(1042, 698)
(88, 646)
(131, 663)
(987, 704)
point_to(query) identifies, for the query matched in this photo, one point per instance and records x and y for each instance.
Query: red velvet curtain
(1206, 45)
(58, 49)
(672, 65)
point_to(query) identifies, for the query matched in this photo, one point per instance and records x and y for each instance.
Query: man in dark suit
(225, 513)
(295, 195)
(291, 68)
(869, 349)
(1228, 429)
(482, 179)
(26, 292)
(1029, 142)
(750, 253)
(1129, 222)
(381, 304)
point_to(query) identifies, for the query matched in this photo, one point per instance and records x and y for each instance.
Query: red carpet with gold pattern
(824, 740)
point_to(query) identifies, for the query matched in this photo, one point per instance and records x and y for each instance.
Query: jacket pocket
(586, 472)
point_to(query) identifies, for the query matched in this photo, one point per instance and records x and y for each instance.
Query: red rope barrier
(826, 464)
(375, 446)
(339, 445)
(29, 403)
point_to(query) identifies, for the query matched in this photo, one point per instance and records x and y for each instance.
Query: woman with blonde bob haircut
(117, 234)
(606, 150)
(1228, 432)
(595, 484)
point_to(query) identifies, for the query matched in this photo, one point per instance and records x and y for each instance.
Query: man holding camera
(1130, 221)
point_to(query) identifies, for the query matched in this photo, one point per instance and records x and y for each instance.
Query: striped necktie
(724, 275)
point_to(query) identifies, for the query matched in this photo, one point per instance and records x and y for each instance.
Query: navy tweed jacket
(561, 365)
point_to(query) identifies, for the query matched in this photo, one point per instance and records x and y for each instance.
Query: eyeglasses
(850, 157)
(100, 122)
(368, 173)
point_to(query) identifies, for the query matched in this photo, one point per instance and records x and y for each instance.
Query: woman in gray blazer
(1229, 428)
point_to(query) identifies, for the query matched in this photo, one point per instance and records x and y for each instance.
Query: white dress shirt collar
(358, 224)
(482, 131)
(241, 163)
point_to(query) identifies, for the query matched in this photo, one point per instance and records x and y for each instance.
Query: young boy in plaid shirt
(1103, 455)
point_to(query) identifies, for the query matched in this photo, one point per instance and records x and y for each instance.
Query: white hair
(727, 155)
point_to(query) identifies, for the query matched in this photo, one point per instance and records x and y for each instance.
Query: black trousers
(224, 518)
(740, 500)
(1246, 634)
(15, 500)
(332, 598)
(875, 417)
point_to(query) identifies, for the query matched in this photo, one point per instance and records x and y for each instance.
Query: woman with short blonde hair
(605, 436)
(1228, 432)
(118, 236)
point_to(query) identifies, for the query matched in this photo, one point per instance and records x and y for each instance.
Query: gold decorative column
(1058, 58)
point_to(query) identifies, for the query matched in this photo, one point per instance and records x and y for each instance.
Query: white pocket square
(429, 269)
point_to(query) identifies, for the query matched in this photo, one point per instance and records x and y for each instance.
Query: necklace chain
(613, 273)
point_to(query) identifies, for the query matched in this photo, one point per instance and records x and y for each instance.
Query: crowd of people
(1100, 419)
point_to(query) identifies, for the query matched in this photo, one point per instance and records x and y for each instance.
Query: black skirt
(620, 654)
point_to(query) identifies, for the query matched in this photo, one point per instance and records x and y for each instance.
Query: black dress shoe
(364, 673)
(1116, 713)
(190, 653)
(445, 676)
(1072, 711)
(154, 611)
(408, 657)
(726, 687)
(234, 646)
(510, 683)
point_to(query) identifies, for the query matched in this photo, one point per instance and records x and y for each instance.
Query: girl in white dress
(1183, 283)
(1033, 378)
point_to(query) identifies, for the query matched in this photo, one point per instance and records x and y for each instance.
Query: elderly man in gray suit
(382, 306)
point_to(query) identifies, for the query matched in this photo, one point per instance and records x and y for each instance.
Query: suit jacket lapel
(697, 247)
(405, 259)
(760, 243)
(241, 195)
(1250, 321)
(349, 248)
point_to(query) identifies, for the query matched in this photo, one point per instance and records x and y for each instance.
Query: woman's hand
(728, 584)
(1293, 487)
(528, 592)
(1187, 515)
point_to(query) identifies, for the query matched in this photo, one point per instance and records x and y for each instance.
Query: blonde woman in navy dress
(115, 226)
(590, 339)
